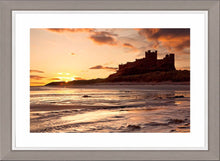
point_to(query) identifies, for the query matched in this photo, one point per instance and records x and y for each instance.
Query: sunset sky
(65, 54)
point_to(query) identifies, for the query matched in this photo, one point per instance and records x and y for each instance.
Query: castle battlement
(147, 64)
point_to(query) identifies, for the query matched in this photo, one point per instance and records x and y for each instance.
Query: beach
(111, 108)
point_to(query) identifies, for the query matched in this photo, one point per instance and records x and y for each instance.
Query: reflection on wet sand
(130, 109)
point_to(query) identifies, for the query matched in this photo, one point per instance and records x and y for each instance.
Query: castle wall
(166, 64)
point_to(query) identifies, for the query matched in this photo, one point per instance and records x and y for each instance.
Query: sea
(113, 108)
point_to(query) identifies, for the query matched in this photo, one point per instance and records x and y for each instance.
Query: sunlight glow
(66, 77)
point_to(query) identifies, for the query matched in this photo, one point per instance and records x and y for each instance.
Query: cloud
(99, 37)
(183, 45)
(130, 46)
(61, 30)
(55, 79)
(36, 77)
(78, 78)
(104, 37)
(172, 39)
(37, 82)
(36, 71)
(102, 67)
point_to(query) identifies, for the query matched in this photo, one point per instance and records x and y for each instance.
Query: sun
(66, 77)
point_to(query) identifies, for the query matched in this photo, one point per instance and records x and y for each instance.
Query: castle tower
(151, 58)
(167, 63)
(151, 55)
(172, 60)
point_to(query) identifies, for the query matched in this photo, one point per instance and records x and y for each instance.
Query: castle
(147, 64)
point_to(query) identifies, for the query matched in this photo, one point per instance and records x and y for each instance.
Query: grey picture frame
(6, 8)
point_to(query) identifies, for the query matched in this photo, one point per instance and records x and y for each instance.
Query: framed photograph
(110, 79)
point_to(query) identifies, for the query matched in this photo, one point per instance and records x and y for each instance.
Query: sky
(66, 54)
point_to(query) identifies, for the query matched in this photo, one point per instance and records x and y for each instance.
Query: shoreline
(44, 107)
(119, 83)
(144, 83)
(123, 85)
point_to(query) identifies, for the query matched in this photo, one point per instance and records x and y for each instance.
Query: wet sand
(122, 109)
(54, 118)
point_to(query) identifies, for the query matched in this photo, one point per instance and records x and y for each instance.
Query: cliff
(156, 77)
